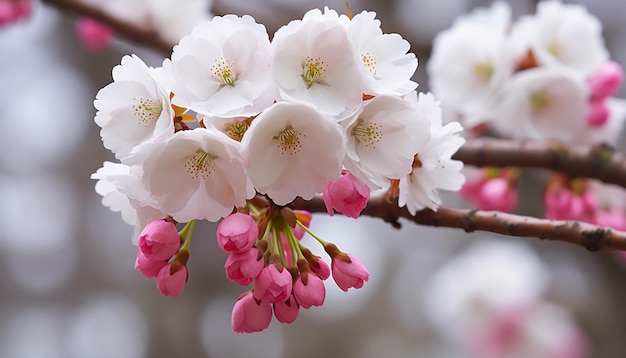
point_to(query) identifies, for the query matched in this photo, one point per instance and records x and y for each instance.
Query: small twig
(592, 237)
(124, 29)
(599, 161)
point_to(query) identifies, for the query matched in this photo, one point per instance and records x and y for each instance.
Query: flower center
(146, 110)
(555, 49)
(289, 141)
(200, 164)
(313, 71)
(369, 60)
(483, 70)
(540, 100)
(236, 129)
(224, 71)
(369, 134)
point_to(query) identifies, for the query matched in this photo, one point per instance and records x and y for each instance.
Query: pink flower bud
(309, 290)
(149, 268)
(347, 195)
(320, 267)
(244, 267)
(8, 13)
(250, 315)
(94, 35)
(598, 113)
(305, 218)
(273, 285)
(171, 279)
(159, 240)
(606, 81)
(287, 312)
(237, 233)
(23, 8)
(497, 194)
(349, 271)
(614, 218)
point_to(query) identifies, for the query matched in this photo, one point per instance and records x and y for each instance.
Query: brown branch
(599, 161)
(124, 29)
(592, 237)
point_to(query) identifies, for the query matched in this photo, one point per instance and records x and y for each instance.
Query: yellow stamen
(200, 164)
(289, 141)
(146, 110)
(368, 134)
(313, 70)
(224, 71)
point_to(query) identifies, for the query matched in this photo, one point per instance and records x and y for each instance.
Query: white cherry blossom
(471, 62)
(544, 102)
(314, 62)
(197, 174)
(222, 68)
(122, 190)
(134, 108)
(385, 63)
(433, 169)
(292, 150)
(383, 139)
(564, 34)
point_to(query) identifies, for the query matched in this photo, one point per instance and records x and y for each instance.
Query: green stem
(187, 231)
(322, 242)
(294, 245)
(253, 208)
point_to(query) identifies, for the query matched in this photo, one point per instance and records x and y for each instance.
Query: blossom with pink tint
(348, 195)
(606, 81)
(172, 278)
(567, 199)
(94, 35)
(12, 11)
(250, 315)
(244, 267)
(614, 218)
(159, 240)
(237, 233)
(287, 312)
(149, 268)
(309, 290)
(598, 113)
(494, 190)
(305, 218)
(348, 270)
(273, 284)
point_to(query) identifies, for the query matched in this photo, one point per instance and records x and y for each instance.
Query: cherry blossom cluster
(14, 10)
(545, 76)
(235, 127)
(169, 19)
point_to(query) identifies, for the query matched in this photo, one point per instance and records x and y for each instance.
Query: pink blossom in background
(606, 81)
(493, 189)
(287, 312)
(13, 11)
(598, 113)
(237, 233)
(171, 279)
(250, 315)
(94, 35)
(348, 195)
(159, 240)
(569, 199)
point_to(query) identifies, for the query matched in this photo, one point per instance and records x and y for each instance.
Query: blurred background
(68, 287)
